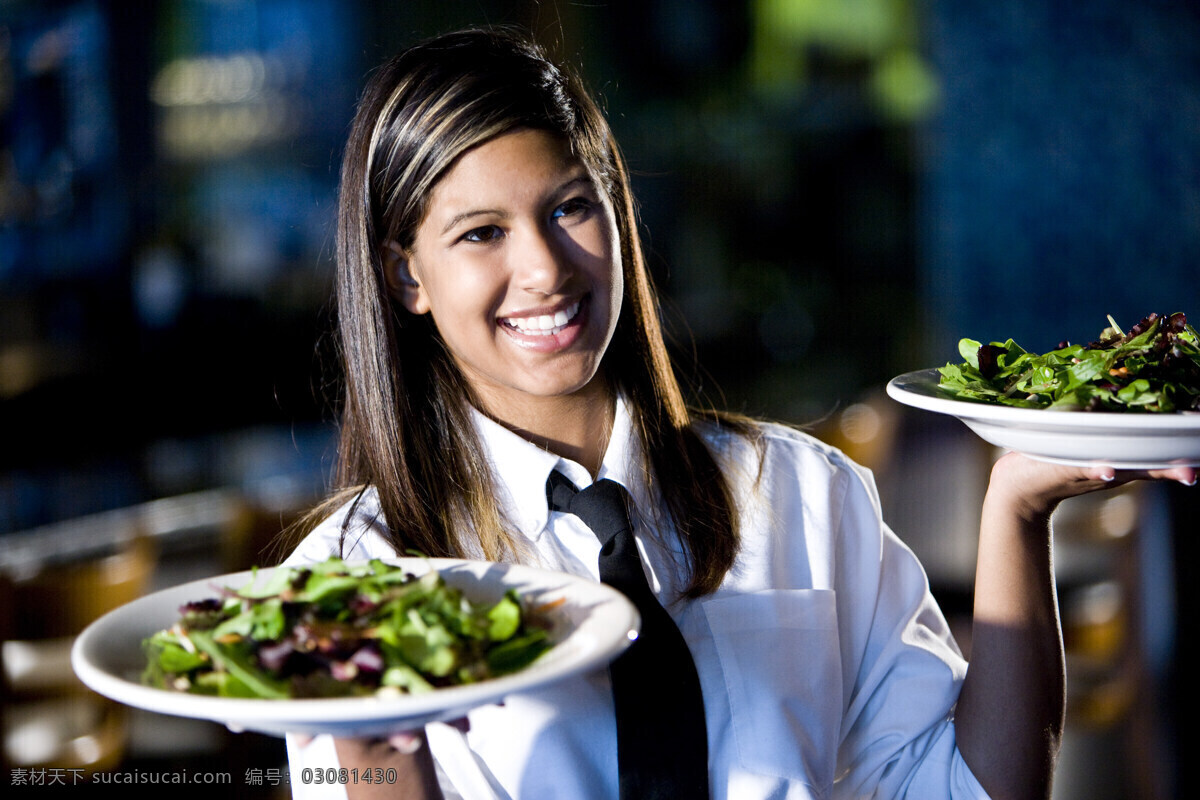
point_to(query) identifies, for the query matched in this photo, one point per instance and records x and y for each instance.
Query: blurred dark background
(832, 192)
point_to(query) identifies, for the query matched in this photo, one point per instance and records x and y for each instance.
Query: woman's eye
(576, 205)
(488, 233)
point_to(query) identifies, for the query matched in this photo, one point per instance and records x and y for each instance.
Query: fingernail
(406, 744)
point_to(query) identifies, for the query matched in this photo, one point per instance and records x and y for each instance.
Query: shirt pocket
(781, 662)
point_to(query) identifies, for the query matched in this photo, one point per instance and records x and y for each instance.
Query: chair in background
(50, 719)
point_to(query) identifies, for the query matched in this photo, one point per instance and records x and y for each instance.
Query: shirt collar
(520, 468)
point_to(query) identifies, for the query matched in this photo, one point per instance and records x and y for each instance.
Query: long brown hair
(405, 422)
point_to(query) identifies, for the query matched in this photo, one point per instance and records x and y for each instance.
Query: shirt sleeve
(902, 668)
(362, 537)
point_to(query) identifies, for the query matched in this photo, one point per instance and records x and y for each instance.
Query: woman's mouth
(543, 324)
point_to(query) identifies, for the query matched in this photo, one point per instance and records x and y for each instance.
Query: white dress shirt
(827, 669)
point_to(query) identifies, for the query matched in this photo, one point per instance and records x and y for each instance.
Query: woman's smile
(545, 330)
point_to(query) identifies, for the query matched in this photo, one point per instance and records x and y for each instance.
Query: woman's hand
(1031, 489)
(1010, 712)
(398, 765)
(407, 753)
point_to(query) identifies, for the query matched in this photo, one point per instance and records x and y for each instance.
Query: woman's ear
(401, 284)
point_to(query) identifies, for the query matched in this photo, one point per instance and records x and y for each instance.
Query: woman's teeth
(545, 324)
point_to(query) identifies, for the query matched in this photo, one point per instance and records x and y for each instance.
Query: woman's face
(517, 261)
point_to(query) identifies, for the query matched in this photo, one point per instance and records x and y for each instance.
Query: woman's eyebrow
(584, 177)
(475, 212)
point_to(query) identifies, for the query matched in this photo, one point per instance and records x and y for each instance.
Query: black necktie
(662, 745)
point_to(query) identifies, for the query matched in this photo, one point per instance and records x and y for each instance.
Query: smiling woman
(481, 191)
(508, 398)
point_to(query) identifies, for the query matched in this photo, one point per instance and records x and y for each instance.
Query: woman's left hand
(1034, 488)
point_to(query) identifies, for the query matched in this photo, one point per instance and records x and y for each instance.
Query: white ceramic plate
(1126, 441)
(592, 625)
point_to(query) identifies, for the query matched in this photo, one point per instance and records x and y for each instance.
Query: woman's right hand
(398, 765)
(407, 753)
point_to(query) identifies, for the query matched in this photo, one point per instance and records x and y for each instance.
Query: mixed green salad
(1153, 367)
(339, 630)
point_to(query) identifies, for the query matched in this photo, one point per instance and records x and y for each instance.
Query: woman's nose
(541, 264)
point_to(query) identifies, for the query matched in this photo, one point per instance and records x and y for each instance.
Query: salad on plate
(1153, 367)
(336, 629)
